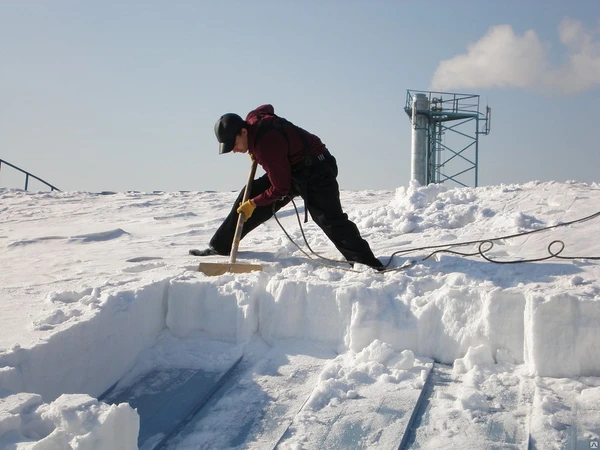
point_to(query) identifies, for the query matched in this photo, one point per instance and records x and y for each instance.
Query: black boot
(206, 252)
(377, 265)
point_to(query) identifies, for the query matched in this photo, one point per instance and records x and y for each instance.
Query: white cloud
(503, 59)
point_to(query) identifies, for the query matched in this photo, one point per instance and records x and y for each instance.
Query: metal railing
(28, 175)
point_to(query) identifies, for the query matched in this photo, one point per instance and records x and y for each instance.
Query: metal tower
(445, 136)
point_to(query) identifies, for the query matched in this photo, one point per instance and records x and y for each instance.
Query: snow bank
(91, 353)
(73, 421)
(439, 318)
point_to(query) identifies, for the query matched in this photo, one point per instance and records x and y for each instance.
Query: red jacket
(271, 152)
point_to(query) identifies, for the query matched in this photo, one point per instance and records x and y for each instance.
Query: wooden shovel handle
(240, 223)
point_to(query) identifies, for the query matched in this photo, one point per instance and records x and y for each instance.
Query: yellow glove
(247, 208)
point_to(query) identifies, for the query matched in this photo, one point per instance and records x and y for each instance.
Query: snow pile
(343, 394)
(73, 421)
(377, 363)
(93, 286)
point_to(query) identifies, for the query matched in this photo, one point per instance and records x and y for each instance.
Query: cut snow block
(167, 399)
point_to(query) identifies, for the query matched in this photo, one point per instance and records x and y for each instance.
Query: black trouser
(319, 188)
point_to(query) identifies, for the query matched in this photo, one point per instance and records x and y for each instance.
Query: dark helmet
(226, 129)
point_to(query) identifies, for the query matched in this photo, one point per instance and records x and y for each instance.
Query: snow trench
(552, 336)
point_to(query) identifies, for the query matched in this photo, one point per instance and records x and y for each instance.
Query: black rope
(490, 242)
(308, 245)
(445, 248)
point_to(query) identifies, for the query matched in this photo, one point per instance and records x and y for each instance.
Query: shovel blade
(214, 269)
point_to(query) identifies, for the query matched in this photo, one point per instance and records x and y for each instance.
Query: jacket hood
(255, 115)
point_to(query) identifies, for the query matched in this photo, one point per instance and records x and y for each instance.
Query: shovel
(213, 269)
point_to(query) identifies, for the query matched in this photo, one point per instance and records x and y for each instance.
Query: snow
(97, 289)
(71, 421)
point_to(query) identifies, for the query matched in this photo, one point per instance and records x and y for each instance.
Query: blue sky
(123, 95)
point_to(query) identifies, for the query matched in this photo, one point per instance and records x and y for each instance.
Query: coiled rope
(484, 246)
(481, 251)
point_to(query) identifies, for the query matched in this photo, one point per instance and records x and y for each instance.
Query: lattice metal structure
(445, 136)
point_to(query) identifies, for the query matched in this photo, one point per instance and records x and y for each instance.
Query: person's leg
(222, 240)
(323, 204)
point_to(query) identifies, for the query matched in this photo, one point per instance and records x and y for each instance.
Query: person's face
(241, 142)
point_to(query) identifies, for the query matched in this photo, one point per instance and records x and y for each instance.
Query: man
(296, 162)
